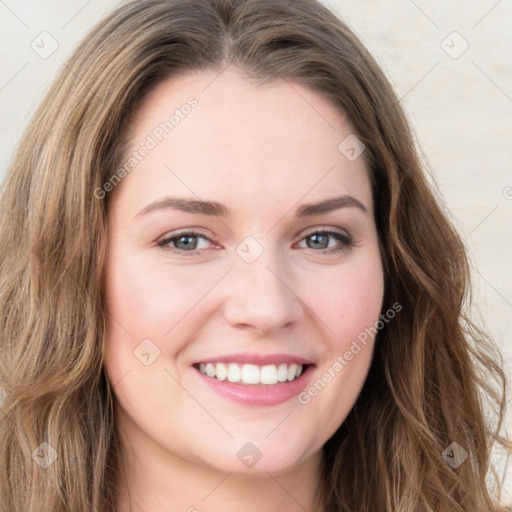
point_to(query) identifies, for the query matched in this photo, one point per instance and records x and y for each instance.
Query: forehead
(222, 137)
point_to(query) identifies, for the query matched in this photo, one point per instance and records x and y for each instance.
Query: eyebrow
(213, 208)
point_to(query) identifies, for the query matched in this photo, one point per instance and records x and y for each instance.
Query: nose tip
(262, 299)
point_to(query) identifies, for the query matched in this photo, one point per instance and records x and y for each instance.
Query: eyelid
(302, 233)
(323, 229)
(345, 240)
(186, 231)
(163, 240)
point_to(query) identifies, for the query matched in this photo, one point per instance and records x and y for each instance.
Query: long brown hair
(435, 378)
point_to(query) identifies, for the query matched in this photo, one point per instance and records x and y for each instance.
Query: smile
(250, 373)
(255, 385)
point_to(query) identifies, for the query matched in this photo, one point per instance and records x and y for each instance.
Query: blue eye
(321, 240)
(184, 242)
(188, 243)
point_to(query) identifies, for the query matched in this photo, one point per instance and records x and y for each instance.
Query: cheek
(349, 301)
(147, 300)
(152, 310)
(348, 308)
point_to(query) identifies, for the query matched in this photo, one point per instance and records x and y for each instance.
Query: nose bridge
(259, 294)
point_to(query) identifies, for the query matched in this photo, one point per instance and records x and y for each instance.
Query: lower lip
(259, 394)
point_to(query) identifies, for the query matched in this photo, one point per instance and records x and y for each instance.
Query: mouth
(252, 374)
(250, 379)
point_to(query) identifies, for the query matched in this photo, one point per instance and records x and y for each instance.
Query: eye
(321, 241)
(324, 241)
(187, 241)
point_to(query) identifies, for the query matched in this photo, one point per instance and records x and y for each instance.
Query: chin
(257, 458)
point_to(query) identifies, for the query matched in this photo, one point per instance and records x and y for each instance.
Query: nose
(261, 296)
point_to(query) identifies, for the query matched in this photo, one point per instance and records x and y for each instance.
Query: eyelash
(346, 240)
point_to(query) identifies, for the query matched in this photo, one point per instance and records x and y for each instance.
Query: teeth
(268, 374)
(210, 370)
(234, 374)
(291, 371)
(251, 373)
(221, 371)
(282, 373)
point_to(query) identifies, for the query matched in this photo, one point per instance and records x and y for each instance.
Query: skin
(262, 151)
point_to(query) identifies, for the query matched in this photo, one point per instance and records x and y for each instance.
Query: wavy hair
(435, 378)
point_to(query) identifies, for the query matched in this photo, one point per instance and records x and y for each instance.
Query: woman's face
(243, 245)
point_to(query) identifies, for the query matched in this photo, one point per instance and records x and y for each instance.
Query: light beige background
(450, 63)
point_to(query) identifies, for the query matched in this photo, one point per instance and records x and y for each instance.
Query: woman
(226, 283)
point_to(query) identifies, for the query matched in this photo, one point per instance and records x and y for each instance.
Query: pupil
(316, 238)
(188, 244)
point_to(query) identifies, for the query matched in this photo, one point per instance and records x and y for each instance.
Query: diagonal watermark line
(3, 415)
(13, 13)
(491, 80)
(215, 77)
(200, 404)
(75, 15)
(485, 15)
(301, 300)
(300, 198)
(280, 423)
(8, 212)
(119, 323)
(218, 217)
(507, 320)
(189, 310)
(217, 486)
(418, 82)
(494, 288)
(119, 380)
(286, 491)
(484, 219)
(424, 13)
(13, 77)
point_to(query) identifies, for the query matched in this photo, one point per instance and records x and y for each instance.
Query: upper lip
(257, 359)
